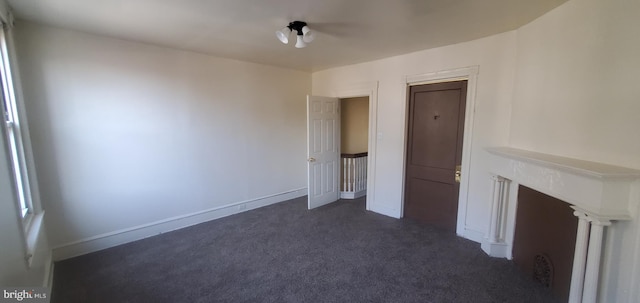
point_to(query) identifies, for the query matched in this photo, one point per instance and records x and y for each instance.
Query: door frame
(366, 89)
(470, 74)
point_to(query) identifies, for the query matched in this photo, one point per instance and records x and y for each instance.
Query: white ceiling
(347, 31)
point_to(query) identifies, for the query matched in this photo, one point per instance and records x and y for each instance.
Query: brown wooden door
(434, 149)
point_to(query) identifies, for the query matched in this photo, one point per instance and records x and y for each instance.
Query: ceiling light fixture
(304, 34)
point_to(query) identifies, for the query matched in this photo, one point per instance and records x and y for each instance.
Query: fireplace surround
(600, 194)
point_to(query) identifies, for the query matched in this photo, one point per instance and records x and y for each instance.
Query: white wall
(577, 95)
(495, 57)
(126, 135)
(577, 72)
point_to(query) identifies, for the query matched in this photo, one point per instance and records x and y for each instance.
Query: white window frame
(13, 134)
(28, 208)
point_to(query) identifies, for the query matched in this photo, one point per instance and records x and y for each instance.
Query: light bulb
(307, 34)
(283, 34)
(300, 42)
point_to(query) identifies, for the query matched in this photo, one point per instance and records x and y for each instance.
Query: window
(18, 146)
(13, 133)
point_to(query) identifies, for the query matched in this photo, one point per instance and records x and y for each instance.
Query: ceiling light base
(303, 33)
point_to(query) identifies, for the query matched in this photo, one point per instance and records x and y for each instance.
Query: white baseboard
(127, 235)
(496, 250)
(352, 195)
(473, 235)
(384, 210)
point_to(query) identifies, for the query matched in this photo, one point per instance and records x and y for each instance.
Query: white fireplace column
(579, 258)
(586, 260)
(494, 244)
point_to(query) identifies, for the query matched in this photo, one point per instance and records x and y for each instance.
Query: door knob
(311, 160)
(458, 173)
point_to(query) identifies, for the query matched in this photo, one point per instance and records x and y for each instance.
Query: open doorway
(354, 147)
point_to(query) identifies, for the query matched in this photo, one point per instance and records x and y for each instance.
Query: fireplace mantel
(599, 193)
(596, 188)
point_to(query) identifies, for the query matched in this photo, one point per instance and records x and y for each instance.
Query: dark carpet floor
(286, 253)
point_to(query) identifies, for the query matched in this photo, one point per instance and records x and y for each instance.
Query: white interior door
(323, 149)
